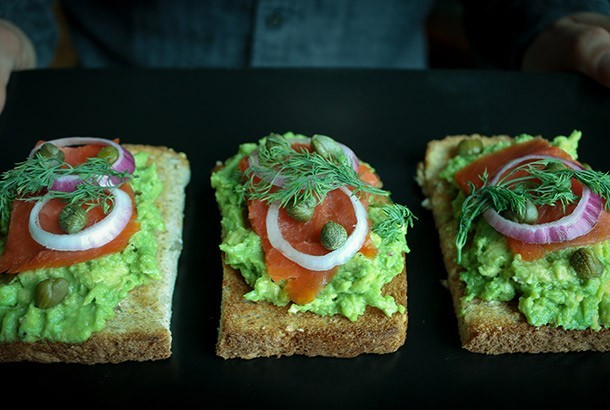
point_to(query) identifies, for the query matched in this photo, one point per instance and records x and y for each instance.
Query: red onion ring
(96, 235)
(124, 163)
(320, 262)
(582, 219)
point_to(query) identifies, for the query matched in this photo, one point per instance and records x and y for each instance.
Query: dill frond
(32, 180)
(543, 182)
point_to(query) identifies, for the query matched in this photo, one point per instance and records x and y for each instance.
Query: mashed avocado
(356, 284)
(548, 291)
(96, 286)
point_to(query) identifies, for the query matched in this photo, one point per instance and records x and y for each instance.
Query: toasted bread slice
(140, 330)
(260, 329)
(488, 327)
(249, 329)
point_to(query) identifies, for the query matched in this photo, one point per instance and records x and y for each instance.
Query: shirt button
(275, 19)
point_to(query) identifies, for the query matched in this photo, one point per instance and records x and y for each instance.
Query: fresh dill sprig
(541, 182)
(304, 175)
(32, 180)
(398, 219)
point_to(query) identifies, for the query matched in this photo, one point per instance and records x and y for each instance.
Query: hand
(16, 53)
(579, 42)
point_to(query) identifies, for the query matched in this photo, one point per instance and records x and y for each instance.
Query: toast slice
(488, 327)
(250, 329)
(140, 330)
(260, 329)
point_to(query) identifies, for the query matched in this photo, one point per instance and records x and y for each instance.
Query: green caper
(302, 211)
(333, 235)
(277, 146)
(50, 151)
(527, 215)
(555, 166)
(469, 146)
(276, 140)
(109, 153)
(326, 147)
(72, 218)
(51, 292)
(586, 264)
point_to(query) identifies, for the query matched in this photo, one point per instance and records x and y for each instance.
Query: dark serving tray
(387, 117)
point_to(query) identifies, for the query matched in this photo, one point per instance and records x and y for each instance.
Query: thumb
(16, 53)
(5, 72)
(574, 43)
(600, 70)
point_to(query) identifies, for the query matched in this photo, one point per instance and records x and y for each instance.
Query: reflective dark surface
(387, 117)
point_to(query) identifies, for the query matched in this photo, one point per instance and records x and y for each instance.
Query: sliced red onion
(278, 180)
(270, 176)
(513, 163)
(66, 183)
(96, 235)
(579, 222)
(320, 262)
(124, 163)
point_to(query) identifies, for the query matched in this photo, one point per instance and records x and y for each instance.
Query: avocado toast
(115, 306)
(294, 282)
(543, 286)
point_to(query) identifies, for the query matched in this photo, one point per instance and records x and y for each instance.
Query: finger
(5, 72)
(570, 45)
(590, 53)
(592, 19)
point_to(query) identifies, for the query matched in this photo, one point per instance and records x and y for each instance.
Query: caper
(555, 166)
(326, 147)
(302, 211)
(277, 146)
(527, 215)
(333, 235)
(51, 292)
(50, 151)
(469, 146)
(276, 140)
(109, 153)
(586, 264)
(72, 218)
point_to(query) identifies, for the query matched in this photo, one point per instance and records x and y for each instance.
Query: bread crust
(488, 327)
(140, 330)
(260, 329)
(249, 330)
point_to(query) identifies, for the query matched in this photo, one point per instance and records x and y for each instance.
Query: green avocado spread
(96, 287)
(356, 284)
(548, 291)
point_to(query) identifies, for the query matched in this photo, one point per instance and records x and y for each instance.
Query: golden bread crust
(260, 329)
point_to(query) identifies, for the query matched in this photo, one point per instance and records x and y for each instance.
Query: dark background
(387, 117)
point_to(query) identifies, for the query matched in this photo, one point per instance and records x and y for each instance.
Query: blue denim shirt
(277, 33)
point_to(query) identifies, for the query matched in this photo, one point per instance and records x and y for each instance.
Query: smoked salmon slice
(537, 146)
(22, 252)
(301, 284)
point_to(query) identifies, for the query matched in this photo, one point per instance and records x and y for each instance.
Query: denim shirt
(276, 33)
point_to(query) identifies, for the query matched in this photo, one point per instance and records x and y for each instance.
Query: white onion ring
(278, 179)
(124, 163)
(320, 262)
(351, 156)
(96, 235)
(582, 219)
